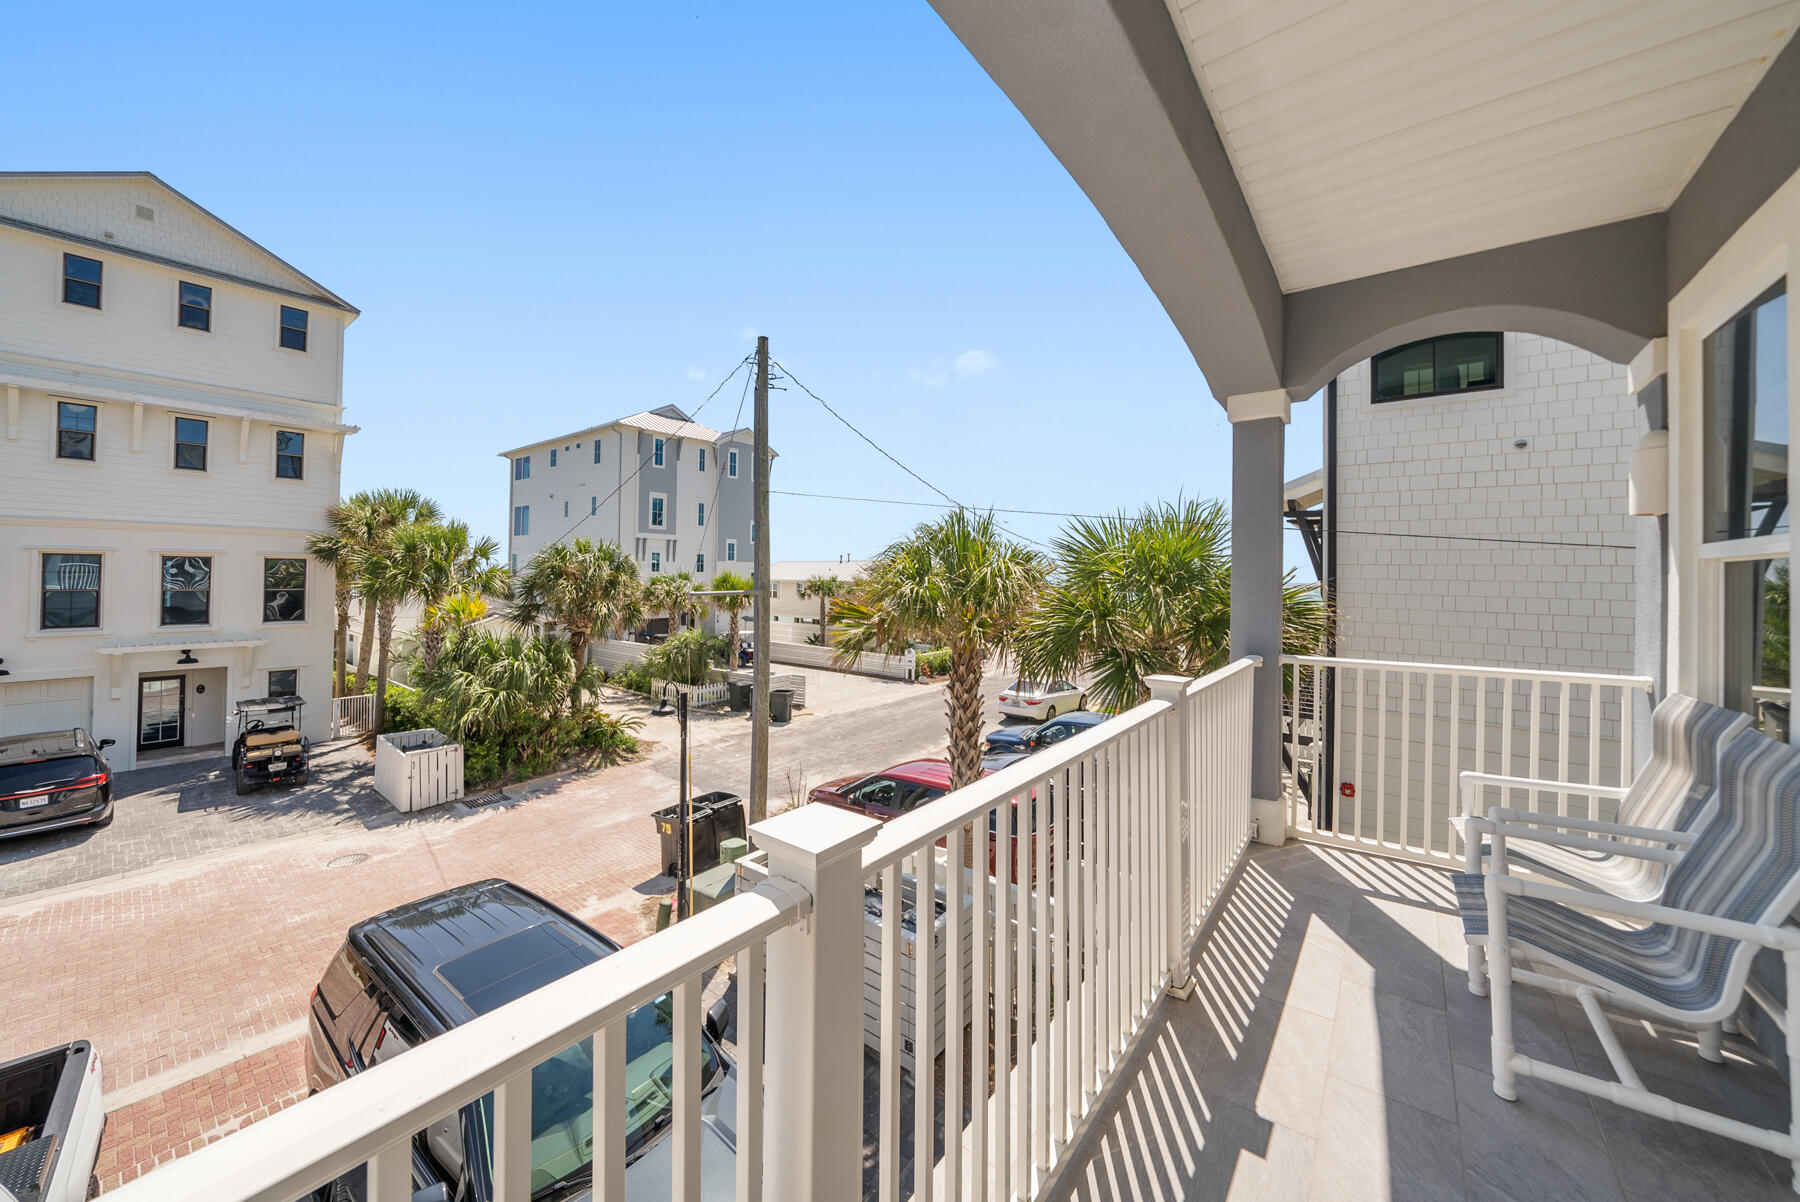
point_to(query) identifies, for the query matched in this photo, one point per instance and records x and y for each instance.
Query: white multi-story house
(172, 432)
(672, 493)
(1473, 505)
(794, 611)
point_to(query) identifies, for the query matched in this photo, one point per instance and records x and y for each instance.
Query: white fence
(418, 769)
(894, 667)
(713, 692)
(613, 654)
(1104, 853)
(1373, 747)
(354, 715)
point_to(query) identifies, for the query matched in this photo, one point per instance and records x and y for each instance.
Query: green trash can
(781, 705)
(740, 696)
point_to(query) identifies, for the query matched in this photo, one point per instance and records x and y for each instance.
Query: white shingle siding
(1447, 466)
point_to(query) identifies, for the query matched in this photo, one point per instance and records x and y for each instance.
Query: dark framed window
(186, 590)
(1745, 405)
(657, 452)
(71, 592)
(596, 450)
(731, 464)
(75, 425)
(656, 511)
(196, 306)
(522, 468)
(521, 519)
(700, 564)
(1755, 628)
(1438, 367)
(81, 281)
(552, 456)
(293, 328)
(702, 458)
(284, 590)
(190, 444)
(284, 682)
(702, 514)
(290, 454)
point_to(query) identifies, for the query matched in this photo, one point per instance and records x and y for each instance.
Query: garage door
(30, 706)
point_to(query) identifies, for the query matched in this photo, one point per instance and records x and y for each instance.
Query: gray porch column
(1649, 503)
(1258, 439)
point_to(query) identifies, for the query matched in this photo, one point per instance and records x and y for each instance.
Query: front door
(160, 701)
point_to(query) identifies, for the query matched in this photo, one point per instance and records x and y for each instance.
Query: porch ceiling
(1373, 135)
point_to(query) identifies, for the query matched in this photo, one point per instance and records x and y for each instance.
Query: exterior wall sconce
(187, 657)
(3, 671)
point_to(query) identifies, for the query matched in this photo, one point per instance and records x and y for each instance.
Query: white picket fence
(713, 692)
(418, 769)
(353, 715)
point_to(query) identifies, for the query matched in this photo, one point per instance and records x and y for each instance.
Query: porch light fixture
(187, 657)
(3, 671)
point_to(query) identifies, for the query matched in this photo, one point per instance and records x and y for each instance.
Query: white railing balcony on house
(1071, 885)
(1372, 749)
(352, 715)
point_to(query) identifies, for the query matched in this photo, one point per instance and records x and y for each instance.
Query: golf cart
(269, 748)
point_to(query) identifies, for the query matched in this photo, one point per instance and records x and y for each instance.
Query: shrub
(631, 678)
(406, 710)
(684, 656)
(933, 663)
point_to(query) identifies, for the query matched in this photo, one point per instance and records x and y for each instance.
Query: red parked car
(898, 790)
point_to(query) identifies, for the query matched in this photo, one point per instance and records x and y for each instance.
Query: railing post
(813, 1084)
(1181, 822)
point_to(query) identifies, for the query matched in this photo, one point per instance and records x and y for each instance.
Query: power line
(1489, 538)
(595, 509)
(823, 496)
(885, 454)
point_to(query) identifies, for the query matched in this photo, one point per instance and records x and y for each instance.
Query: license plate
(277, 765)
(32, 803)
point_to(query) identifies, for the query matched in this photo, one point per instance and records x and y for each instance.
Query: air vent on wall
(146, 213)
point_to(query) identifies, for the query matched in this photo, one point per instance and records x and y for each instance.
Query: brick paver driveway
(191, 974)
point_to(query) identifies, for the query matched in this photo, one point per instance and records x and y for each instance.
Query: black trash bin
(715, 816)
(781, 705)
(740, 696)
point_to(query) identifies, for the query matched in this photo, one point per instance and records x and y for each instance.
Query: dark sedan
(1027, 739)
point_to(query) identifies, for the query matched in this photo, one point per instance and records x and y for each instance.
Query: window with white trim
(284, 590)
(731, 464)
(75, 427)
(552, 456)
(702, 458)
(701, 513)
(657, 501)
(71, 592)
(521, 520)
(700, 563)
(656, 561)
(190, 444)
(731, 550)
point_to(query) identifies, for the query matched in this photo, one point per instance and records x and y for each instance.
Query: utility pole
(759, 540)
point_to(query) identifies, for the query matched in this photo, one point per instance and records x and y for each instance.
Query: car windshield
(562, 1096)
(1027, 687)
(44, 774)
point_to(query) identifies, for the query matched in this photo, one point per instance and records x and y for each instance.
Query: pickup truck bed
(53, 1097)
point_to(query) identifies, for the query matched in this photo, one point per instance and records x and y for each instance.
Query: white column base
(1271, 821)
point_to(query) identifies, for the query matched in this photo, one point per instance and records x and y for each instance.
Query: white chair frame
(1628, 1090)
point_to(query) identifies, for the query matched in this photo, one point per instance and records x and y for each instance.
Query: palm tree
(337, 546)
(670, 593)
(825, 587)
(958, 582)
(443, 564)
(736, 600)
(372, 518)
(586, 588)
(1134, 597)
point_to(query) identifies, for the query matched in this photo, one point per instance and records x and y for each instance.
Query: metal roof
(652, 421)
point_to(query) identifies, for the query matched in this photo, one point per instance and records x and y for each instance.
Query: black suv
(52, 780)
(420, 969)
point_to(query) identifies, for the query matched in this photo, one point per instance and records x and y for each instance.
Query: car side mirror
(718, 1020)
(439, 1192)
(105, 743)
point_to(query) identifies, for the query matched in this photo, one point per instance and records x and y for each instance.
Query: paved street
(191, 971)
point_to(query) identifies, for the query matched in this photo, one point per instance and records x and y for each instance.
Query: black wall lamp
(187, 657)
(3, 671)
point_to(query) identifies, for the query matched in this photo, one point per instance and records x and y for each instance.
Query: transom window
(71, 592)
(75, 426)
(81, 281)
(1745, 436)
(293, 328)
(1438, 367)
(196, 306)
(190, 444)
(656, 453)
(290, 454)
(284, 590)
(284, 682)
(186, 590)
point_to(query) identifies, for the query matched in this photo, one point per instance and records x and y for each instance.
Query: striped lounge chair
(1682, 959)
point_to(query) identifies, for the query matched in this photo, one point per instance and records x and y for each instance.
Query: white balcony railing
(1372, 748)
(1103, 857)
(352, 715)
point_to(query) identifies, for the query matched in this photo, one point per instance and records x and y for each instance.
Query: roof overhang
(1299, 181)
(183, 642)
(88, 385)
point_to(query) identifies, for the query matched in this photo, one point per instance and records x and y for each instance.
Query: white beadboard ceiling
(1370, 135)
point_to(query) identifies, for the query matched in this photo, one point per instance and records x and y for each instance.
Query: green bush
(683, 657)
(631, 678)
(406, 710)
(934, 663)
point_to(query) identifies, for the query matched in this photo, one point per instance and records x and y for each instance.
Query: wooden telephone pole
(759, 541)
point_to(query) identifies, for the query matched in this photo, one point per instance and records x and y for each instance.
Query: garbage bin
(781, 705)
(740, 696)
(727, 816)
(715, 816)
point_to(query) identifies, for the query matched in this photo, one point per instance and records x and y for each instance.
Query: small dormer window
(293, 328)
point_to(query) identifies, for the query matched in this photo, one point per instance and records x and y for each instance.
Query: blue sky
(551, 216)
